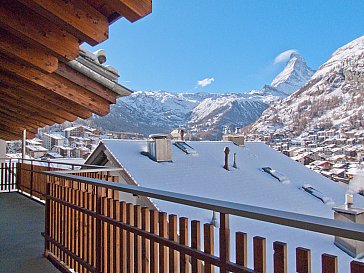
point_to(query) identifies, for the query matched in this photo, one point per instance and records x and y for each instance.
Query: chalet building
(51, 140)
(35, 151)
(80, 131)
(206, 169)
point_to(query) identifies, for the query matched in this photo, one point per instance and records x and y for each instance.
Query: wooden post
(98, 264)
(173, 236)
(196, 244)
(123, 258)
(183, 240)
(31, 178)
(154, 246)
(280, 257)
(259, 245)
(209, 245)
(224, 241)
(137, 240)
(329, 263)
(130, 238)
(47, 218)
(303, 260)
(356, 267)
(145, 242)
(241, 249)
(163, 232)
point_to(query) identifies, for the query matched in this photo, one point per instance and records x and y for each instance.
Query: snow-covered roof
(202, 174)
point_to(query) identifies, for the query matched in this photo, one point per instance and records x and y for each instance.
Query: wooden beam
(85, 82)
(75, 16)
(33, 108)
(8, 134)
(58, 85)
(15, 47)
(16, 112)
(15, 124)
(132, 10)
(37, 30)
(42, 105)
(45, 95)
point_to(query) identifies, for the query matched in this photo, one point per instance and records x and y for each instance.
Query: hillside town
(335, 153)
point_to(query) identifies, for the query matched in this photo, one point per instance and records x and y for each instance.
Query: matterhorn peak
(294, 75)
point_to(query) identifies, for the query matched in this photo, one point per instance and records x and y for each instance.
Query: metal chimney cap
(158, 136)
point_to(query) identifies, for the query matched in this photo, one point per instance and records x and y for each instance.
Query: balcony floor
(21, 242)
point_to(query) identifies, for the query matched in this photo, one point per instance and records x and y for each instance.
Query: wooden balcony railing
(88, 229)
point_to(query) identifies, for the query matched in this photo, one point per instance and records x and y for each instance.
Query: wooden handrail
(284, 218)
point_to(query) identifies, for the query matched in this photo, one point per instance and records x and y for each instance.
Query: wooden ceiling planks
(77, 17)
(37, 39)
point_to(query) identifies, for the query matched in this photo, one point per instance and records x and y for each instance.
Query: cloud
(284, 56)
(205, 82)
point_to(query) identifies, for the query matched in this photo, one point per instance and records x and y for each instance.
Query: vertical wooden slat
(241, 248)
(196, 244)
(224, 241)
(123, 248)
(79, 230)
(105, 236)
(85, 229)
(303, 260)
(145, 242)
(58, 223)
(63, 222)
(173, 236)
(183, 240)
(130, 238)
(117, 217)
(163, 255)
(329, 263)
(154, 246)
(52, 218)
(98, 232)
(110, 248)
(259, 245)
(137, 239)
(209, 245)
(69, 225)
(356, 267)
(280, 257)
(47, 219)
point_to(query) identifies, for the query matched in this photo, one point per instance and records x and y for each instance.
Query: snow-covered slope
(294, 75)
(334, 95)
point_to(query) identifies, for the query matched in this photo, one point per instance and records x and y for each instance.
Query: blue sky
(231, 44)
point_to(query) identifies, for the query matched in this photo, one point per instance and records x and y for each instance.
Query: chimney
(234, 165)
(348, 213)
(160, 147)
(182, 133)
(226, 151)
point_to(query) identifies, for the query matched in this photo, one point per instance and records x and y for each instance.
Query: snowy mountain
(294, 75)
(205, 114)
(161, 112)
(334, 95)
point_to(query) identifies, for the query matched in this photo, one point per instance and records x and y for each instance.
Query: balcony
(85, 227)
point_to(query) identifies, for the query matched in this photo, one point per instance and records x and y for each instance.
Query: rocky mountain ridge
(334, 96)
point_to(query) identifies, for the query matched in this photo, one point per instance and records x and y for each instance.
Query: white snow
(204, 175)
